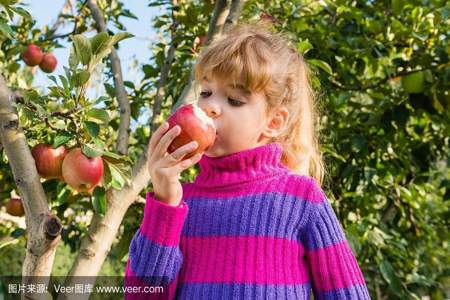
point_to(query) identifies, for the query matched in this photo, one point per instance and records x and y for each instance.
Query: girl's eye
(233, 102)
(205, 94)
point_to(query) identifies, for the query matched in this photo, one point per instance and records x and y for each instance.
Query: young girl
(255, 223)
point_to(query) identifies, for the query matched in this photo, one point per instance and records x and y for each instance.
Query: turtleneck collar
(240, 167)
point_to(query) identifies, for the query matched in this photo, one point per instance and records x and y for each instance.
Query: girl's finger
(178, 154)
(164, 142)
(156, 136)
(187, 163)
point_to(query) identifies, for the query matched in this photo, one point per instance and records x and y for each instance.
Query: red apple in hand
(82, 173)
(48, 160)
(48, 63)
(32, 56)
(195, 126)
(14, 207)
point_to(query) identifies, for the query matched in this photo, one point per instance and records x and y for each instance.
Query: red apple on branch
(195, 126)
(32, 56)
(48, 63)
(80, 172)
(14, 207)
(265, 16)
(201, 40)
(49, 160)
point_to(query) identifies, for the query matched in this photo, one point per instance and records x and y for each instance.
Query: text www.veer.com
(129, 289)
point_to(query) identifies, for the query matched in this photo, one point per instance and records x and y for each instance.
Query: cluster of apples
(34, 56)
(80, 172)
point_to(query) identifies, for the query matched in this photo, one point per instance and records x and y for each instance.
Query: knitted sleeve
(154, 256)
(334, 271)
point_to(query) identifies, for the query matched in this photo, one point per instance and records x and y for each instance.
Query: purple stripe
(266, 214)
(241, 291)
(153, 263)
(302, 187)
(353, 292)
(324, 229)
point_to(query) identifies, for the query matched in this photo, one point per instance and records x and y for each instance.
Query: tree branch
(60, 19)
(233, 15)
(165, 69)
(223, 12)
(56, 25)
(43, 228)
(122, 97)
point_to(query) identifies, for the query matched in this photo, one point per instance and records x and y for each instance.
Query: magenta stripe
(334, 267)
(162, 223)
(243, 259)
(302, 187)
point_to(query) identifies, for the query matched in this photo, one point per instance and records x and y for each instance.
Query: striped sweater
(247, 228)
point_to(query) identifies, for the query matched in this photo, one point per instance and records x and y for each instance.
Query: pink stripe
(334, 267)
(242, 259)
(302, 187)
(162, 223)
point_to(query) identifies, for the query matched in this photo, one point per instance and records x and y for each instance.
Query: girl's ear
(276, 123)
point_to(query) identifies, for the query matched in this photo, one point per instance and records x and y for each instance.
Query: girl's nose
(211, 109)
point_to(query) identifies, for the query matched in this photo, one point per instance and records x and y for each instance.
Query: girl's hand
(165, 168)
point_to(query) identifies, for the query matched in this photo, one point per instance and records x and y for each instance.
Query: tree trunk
(43, 228)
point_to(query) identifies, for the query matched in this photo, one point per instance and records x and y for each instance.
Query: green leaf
(61, 139)
(102, 99)
(83, 48)
(67, 72)
(90, 151)
(53, 78)
(113, 155)
(120, 36)
(74, 60)
(110, 90)
(388, 273)
(106, 179)
(99, 200)
(20, 11)
(92, 128)
(118, 180)
(102, 44)
(100, 144)
(321, 64)
(6, 29)
(99, 42)
(80, 78)
(62, 195)
(304, 47)
(65, 83)
(116, 158)
(98, 115)
(150, 71)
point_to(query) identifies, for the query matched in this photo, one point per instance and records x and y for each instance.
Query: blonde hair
(265, 62)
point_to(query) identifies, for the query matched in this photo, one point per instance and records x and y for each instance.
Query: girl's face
(239, 116)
